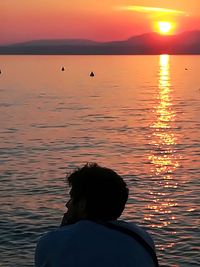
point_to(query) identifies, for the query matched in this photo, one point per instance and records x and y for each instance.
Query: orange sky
(104, 20)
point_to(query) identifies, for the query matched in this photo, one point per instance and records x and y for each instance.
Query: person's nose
(68, 204)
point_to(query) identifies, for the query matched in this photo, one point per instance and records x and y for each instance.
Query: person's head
(97, 193)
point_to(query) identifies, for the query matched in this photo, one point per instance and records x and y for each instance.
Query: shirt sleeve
(41, 254)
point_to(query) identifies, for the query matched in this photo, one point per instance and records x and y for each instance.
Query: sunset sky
(105, 20)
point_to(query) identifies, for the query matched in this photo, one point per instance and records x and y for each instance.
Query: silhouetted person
(91, 74)
(63, 68)
(90, 234)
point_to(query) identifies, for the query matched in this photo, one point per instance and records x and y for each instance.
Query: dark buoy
(63, 68)
(91, 74)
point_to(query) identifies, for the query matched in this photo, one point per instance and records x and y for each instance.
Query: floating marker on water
(91, 74)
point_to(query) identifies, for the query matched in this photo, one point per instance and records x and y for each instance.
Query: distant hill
(148, 43)
(55, 42)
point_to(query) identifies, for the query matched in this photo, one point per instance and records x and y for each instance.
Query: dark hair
(104, 191)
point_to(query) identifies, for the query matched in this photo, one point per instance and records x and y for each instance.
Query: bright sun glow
(165, 27)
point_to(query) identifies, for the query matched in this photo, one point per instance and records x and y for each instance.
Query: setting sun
(165, 27)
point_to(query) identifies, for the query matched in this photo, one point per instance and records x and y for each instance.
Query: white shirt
(88, 244)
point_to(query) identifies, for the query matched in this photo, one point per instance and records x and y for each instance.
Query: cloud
(146, 9)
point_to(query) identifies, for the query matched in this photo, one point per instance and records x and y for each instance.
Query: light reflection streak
(163, 155)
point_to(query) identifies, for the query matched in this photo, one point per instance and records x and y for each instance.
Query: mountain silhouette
(148, 43)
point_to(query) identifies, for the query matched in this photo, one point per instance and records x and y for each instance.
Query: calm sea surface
(139, 115)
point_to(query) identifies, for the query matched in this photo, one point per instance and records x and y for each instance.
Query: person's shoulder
(138, 230)
(63, 231)
(53, 235)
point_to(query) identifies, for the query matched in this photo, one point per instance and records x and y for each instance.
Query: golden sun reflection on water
(163, 156)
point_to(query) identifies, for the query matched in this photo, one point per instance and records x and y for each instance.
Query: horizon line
(92, 40)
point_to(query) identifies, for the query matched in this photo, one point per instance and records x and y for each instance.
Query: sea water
(139, 115)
